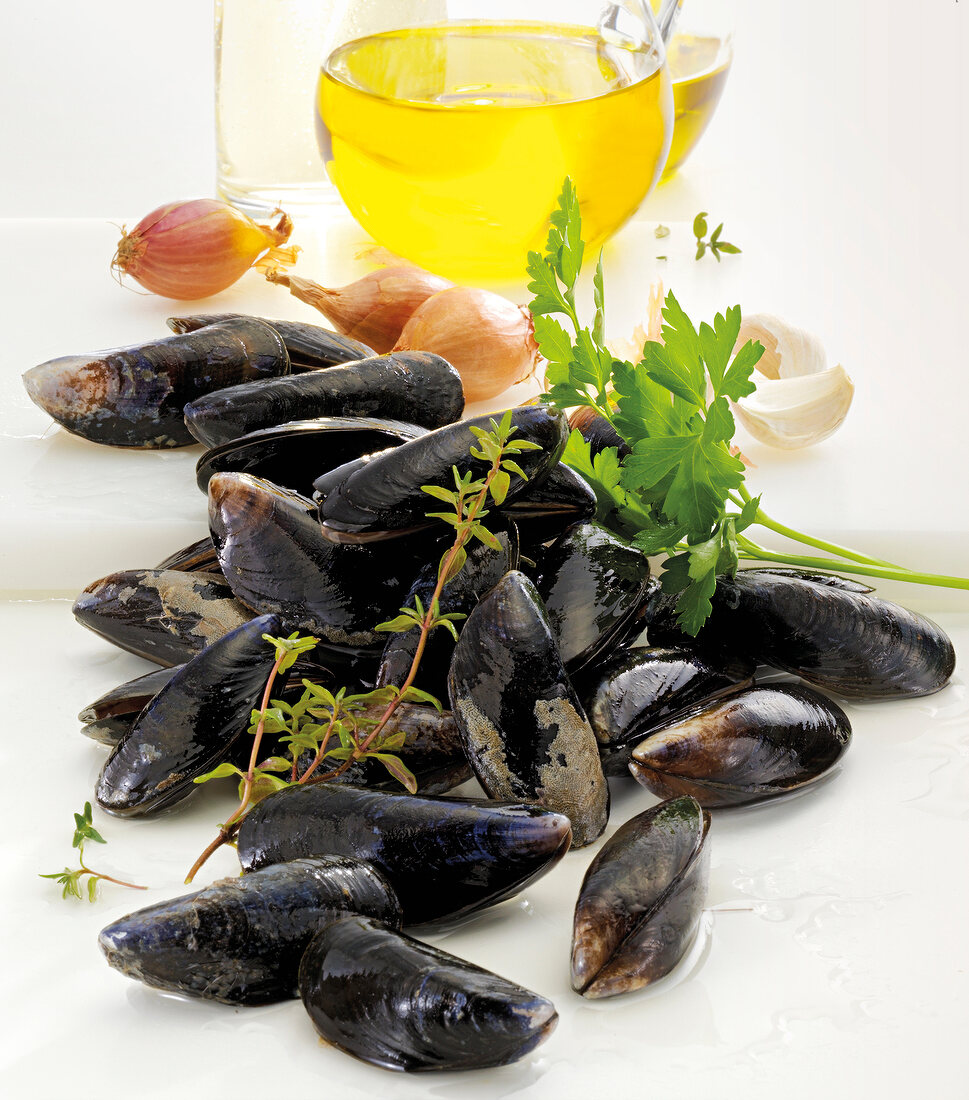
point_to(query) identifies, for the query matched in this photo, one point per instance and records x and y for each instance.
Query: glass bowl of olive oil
(449, 137)
(699, 58)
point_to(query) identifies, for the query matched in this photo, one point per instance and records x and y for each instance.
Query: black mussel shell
(597, 432)
(641, 900)
(240, 940)
(825, 629)
(197, 557)
(191, 724)
(525, 732)
(133, 397)
(433, 774)
(445, 857)
(292, 455)
(310, 347)
(482, 570)
(755, 745)
(593, 583)
(401, 1004)
(414, 386)
(637, 691)
(163, 615)
(384, 496)
(545, 511)
(276, 560)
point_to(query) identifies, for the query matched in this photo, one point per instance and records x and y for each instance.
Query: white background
(838, 162)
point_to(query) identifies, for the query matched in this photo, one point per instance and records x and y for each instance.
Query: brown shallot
(192, 249)
(373, 309)
(488, 340)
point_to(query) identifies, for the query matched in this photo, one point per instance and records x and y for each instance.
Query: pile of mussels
(317, 451)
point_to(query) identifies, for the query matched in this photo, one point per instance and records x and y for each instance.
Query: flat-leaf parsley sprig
(69, 879)
(681, 491)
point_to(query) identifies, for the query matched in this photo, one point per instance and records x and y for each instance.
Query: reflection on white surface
(834, 930)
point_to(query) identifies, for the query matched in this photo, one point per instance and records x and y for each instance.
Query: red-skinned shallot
(192, 249)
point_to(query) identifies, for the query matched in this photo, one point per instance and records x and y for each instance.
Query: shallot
(488, 340)
(373, 309)
(192, 249)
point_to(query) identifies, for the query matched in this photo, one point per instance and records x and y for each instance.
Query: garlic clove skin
(789, 351)
(799, 400)
(791, 412)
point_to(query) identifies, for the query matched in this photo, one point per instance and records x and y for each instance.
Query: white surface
(837, 161)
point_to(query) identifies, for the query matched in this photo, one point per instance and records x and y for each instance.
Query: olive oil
(449, 143)
(698, 66)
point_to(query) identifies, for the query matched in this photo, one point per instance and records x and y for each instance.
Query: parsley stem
(764, 520)
(751, 551)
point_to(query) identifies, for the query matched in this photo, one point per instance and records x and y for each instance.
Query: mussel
(134, 397)
(597, 431)
(401, 1004)
(383, 497)
(747, 747)
(190, 725)
(416, 387)
(166, 616)
(641, 899)
(310, 347)
(240, 940)
(197, 557)
(276, 560)
(825, 629)
(637, 691)
(545, 511)
(482, 570)
(592, 583)
(293, 454)
(445, 857)
(525, 732)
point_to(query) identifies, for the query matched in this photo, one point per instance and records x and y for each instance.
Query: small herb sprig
(714, 244)
(681, 491)
(69, 879)
(341, 729)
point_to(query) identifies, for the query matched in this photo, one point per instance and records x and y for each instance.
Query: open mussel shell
(445, 857)
(758, 744)
(397, 1003)
(191, 724)
(592, 583)
(545, 511)
(129, 698)
(641, 899)
(414, 386)
(482, 570)
(276, 560)
(240, 940)
(310, 347)
(525, 732)
(165, 616)
(383, 497)
(636, 691)
(825, 629)
(197, 557)
(133, 397)
(293, 454)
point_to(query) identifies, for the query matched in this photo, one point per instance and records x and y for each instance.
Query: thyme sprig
(338, 728)
(70, 879)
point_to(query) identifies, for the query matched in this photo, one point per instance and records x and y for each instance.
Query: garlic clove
(796, 411)
(789, 351)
